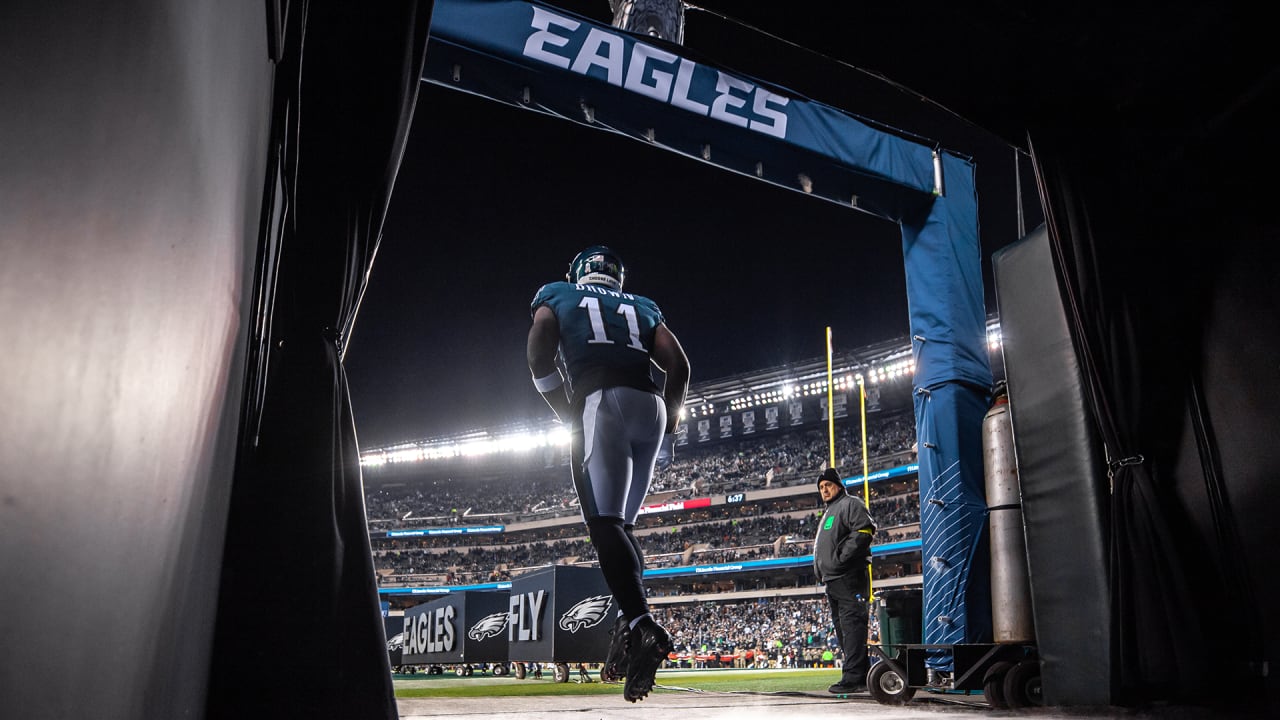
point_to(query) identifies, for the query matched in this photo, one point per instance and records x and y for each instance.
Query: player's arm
(544, 340)
(669, 356)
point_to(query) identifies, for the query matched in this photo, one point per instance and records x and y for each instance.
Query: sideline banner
(800, 562)
(466, 627)
(547, 59)
(465, 530)
(560, 613)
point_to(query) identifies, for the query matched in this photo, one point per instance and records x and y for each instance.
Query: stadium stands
(527, 520)
(516, 494)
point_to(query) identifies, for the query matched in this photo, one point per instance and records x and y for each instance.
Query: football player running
(621, 426)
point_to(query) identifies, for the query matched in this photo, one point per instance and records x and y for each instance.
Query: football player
(621, 424)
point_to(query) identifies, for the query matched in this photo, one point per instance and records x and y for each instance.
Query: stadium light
(522, 441)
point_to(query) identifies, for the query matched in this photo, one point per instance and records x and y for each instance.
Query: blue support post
(952, 381)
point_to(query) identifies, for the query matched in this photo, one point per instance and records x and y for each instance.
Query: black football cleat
(615, 664)
(648, 645)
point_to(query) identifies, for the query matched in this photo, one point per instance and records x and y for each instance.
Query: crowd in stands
(791, 458)
(768, 632)
(758, 529)
(786, 459)
(708, 542)
(444, 501)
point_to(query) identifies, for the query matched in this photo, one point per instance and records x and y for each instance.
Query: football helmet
(597, 265)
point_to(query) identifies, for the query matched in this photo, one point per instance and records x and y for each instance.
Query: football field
(709, 695)
(727, 680)
(688, 694)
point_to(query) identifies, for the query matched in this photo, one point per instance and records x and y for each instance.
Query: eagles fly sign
(559, 614)
(465, 627)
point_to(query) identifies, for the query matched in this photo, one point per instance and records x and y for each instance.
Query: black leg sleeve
(620, 563)
(635, 544)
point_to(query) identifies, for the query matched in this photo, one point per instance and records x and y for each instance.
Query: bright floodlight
(559, 436)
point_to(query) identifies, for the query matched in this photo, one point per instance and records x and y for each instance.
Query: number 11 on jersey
(592, 306)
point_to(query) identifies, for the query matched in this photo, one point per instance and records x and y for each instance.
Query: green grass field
(449, 685)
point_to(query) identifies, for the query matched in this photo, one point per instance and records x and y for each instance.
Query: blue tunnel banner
(533, 56)
(552, 61)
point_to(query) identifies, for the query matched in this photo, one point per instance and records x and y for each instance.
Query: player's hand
(666, 451)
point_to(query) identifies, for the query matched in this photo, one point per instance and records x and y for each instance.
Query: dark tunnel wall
(132, 149)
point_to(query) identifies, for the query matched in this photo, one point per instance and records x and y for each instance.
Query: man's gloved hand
(666, 452)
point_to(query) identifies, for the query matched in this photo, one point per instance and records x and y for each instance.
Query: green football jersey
(606, 336)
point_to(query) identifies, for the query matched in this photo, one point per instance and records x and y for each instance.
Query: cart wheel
(458, 670)
(993, 684)
(520, 671)
(499, 669)
(562, 672)
(1022, 685)
(887, 686)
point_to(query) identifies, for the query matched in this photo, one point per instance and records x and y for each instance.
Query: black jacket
(843, 542)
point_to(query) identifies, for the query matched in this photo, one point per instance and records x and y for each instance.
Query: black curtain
(1156, 632)
(299, 630)
(1138, 221)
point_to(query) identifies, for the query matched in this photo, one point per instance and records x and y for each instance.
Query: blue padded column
(953, 517)
(943, 260)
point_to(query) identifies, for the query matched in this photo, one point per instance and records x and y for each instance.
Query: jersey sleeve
(657, 314)
(542, 297)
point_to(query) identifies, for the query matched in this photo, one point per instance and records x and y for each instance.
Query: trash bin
(901, 615)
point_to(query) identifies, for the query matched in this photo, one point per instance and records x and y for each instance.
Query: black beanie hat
(830, 475)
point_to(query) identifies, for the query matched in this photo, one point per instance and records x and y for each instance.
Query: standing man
(841, 556)
(621, 426)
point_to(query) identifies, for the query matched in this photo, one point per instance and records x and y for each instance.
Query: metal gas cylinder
(1010, 581)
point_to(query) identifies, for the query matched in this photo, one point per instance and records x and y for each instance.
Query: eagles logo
(488, 626)
(586, 613)
(396, 642)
